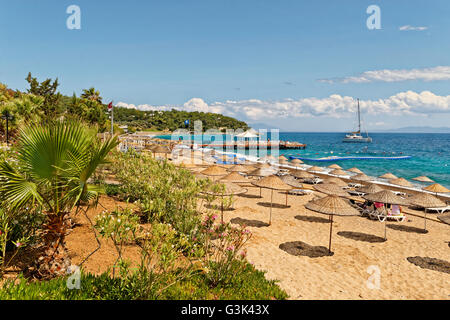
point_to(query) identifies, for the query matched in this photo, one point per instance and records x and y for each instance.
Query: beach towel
(379, 205)
(395, 211)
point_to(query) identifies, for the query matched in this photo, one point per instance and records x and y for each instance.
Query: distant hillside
(174, 119)
(420, 130)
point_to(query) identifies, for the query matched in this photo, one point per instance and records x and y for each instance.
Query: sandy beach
(358, 246)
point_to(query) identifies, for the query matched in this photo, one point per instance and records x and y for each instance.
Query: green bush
(248, 284)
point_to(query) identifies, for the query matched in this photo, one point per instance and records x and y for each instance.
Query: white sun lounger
(382, 215)
(439, 210)
(300, 192)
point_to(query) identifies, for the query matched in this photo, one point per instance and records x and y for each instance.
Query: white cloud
(334, 106)
(411, 28)
(387, 75)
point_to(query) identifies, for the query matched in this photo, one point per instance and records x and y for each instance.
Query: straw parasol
(371, 188)
(290, 180)
(262, 172)
(339, 172)
(302, 174)
(423, 179)
(337, 181)
(354, 170)
(360, 177)
(426, 200)
(315, 168)
(388, 176)
(227, 189)
(335, 166)
(282, 158)
(401, 182)
(234, 177)
(282, 161)
(332, 205)
(296, 162)
(161, 149)
(331, 189)
(273, 183)
(436, 188)
(386, 197)
(214, 171)
(262, 165)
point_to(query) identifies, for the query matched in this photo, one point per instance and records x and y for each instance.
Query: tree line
(42, 102)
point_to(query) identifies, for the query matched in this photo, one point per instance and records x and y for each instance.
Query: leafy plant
(53, 165)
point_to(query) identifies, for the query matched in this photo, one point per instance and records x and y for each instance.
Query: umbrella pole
(286, 198)
(271, 201)
(331, 232)
(260, 194)
(425, 220)
(385, 222)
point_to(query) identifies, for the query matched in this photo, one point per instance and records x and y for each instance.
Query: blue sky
(260, 61)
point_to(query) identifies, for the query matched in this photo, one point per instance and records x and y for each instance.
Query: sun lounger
(300, 192)
(356, 193)
(354, 185)
(439, 210)
(382, 215)
(313, 181)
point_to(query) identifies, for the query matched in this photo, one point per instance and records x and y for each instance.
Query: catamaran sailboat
(356, 137)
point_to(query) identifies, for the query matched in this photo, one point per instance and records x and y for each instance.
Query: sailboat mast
(359, 119)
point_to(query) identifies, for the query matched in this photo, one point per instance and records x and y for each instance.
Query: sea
(430, 153)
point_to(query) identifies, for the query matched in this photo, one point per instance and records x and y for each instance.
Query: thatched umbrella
(423, 179)
(296, 162)
(339, 172)
(386, 197)
(273, 183)
(354, 170)
(426, 200)
(290, 180)
(282, 158)
(401, 182)
(262, 165)
(436, 188)
(315, 169)
(360, 177)
(262, 172)
(281, 161)
(388, 176)
(214, 171)
(331, 189)
(332, 206)
(161, 149)
(302, 174)
(234, 177)
(226, 189)
(334, 166)
(337, 181)
(371, 188)
(241, 168)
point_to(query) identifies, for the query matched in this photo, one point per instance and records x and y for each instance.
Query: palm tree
(51, 170)
(91, 94)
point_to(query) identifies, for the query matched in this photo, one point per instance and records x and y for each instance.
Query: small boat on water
(356, 137)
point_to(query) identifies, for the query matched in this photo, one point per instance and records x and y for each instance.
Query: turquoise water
(430, 153)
